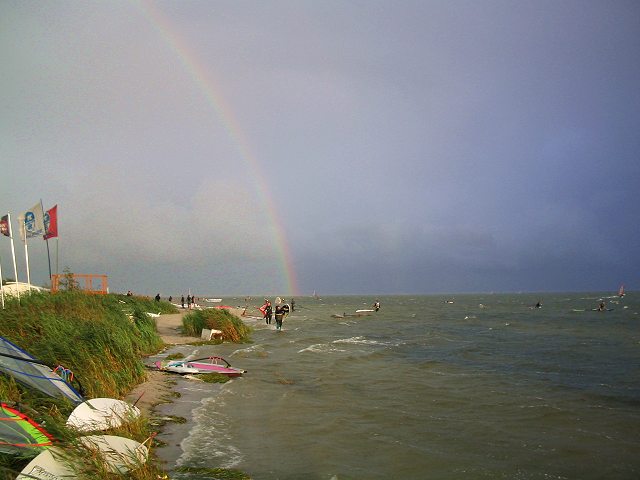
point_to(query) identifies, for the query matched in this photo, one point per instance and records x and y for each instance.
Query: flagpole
(26, 257)
(13, 254)
(46, 239)
(1, 285)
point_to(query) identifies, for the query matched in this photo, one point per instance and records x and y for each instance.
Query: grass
(233, 330)
(102, 340)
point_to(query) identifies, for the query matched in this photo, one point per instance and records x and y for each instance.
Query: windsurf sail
(33, 373)
(621, 291)
(17, 432)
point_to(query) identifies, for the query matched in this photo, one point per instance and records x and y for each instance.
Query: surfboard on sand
(101, 414)
(120, 454)
(47, 466)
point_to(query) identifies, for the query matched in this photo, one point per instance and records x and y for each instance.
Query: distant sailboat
(315, 295)
(621, 291)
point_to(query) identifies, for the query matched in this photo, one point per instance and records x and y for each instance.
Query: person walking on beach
(293, 304)
(182, 301)
(158, 297)
(189, 301)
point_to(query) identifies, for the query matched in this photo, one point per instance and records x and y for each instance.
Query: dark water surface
(485, 387)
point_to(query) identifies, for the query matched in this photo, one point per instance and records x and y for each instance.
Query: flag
(32, 222)
(4, 226)
(51, 222)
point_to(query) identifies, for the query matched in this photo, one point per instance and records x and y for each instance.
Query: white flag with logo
(32, 222)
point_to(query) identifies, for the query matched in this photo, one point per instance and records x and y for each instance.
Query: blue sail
(31, 372)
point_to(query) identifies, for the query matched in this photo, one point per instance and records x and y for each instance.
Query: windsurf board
(120, 454)
(101, 414)
(46, 466)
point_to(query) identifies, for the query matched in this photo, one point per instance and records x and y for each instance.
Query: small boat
(213, 300)
(201, 365)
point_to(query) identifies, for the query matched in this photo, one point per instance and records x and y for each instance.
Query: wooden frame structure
(87, 282)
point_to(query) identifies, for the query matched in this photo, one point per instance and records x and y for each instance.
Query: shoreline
(155, 396)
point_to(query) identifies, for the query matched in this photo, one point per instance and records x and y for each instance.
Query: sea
(428, 387)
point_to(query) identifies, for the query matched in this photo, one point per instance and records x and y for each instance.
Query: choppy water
(486, 387)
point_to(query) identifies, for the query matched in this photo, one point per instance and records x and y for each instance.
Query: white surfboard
(101, 414)
(120, 454)
(46, 466)
(364, 310)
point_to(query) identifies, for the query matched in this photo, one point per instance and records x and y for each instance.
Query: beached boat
(200, 365)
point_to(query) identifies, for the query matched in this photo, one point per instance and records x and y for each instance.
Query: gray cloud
(406, 146)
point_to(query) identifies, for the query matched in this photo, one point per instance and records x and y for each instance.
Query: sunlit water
(485, 387)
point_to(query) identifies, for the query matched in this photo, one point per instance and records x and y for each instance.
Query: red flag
(4, 226)
(51, 223)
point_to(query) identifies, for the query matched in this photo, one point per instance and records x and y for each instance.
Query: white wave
(210, 439)
(356, 341)
(248, 351)
(321, 348)
(366, 341)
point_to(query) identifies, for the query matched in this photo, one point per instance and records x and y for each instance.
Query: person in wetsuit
(268, 313)
(279, 316)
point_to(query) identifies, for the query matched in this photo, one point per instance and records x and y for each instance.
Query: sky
(342, 147)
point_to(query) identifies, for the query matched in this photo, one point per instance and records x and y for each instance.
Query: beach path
(156, 389)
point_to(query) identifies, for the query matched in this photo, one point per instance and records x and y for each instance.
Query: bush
(233, 329)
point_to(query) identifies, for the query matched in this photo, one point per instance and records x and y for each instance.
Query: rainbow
(202, 80)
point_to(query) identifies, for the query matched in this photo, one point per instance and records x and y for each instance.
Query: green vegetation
(101, 339)
(94, 336)
(214, 377)
(233, 330)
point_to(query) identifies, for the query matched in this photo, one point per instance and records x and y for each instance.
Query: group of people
(191, 301)
(281, 311)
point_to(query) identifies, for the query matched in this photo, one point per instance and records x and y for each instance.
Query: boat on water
(621, 291)
(200, 365)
